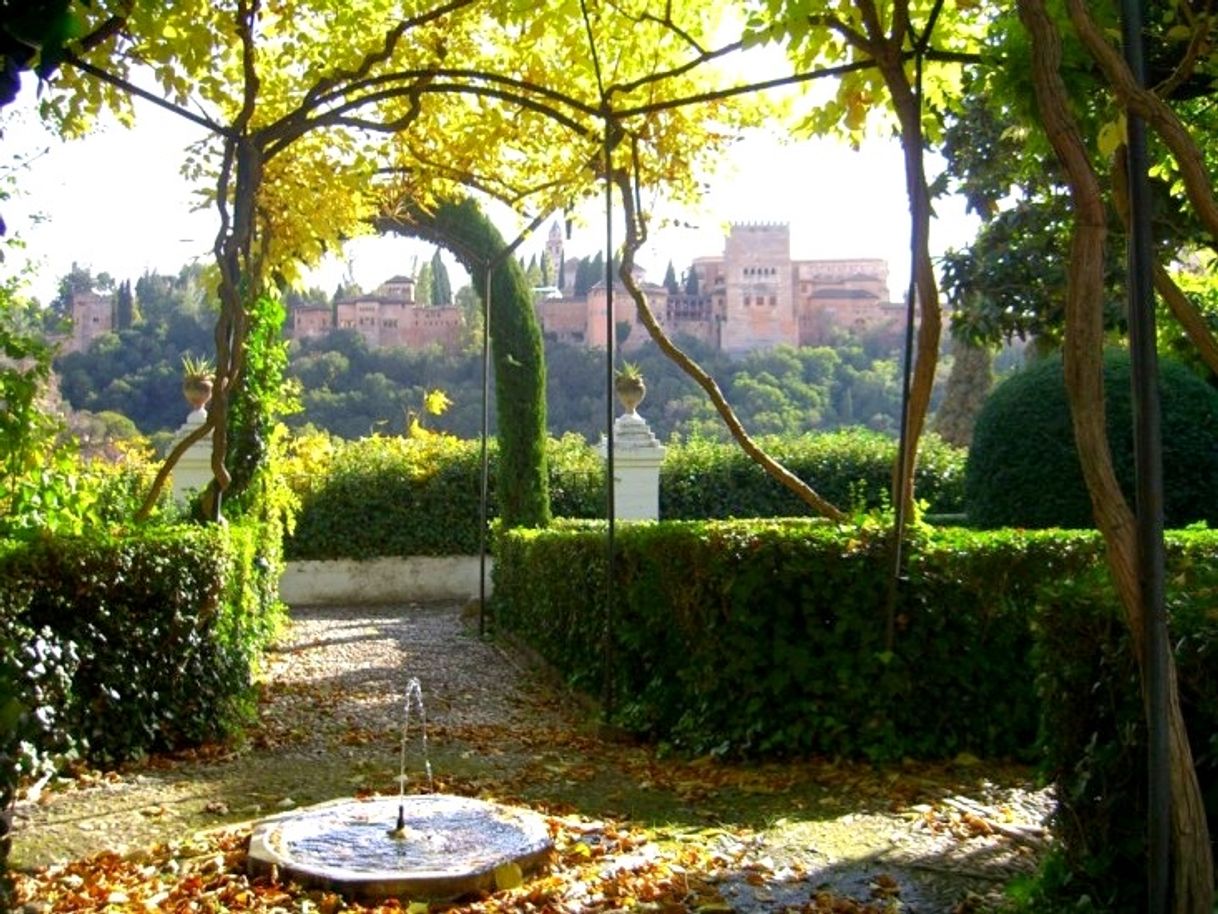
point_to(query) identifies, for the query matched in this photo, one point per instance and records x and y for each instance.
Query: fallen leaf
(507, 876)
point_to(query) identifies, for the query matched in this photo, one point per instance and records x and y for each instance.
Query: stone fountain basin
(451, 846)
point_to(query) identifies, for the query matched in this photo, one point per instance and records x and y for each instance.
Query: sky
(116, 202)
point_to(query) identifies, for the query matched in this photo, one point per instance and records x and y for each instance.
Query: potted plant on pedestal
(629, 385)
(198, 376)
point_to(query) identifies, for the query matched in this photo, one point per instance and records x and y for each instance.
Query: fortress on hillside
(389, 316)
(752, 296)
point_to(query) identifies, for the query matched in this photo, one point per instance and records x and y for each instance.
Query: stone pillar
(637, 455)
(193, 471)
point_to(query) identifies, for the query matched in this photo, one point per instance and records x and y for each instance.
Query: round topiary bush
(1023, 470)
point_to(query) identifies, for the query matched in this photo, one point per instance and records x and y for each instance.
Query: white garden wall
(384, 580)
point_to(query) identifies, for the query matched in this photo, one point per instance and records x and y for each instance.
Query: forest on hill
(350, 390)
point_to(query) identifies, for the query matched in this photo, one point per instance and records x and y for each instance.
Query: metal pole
(486, 422)
(1148, 470)
(900, 494)
(610, 482)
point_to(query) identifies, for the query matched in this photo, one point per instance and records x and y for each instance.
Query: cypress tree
(523, 489)
(126, 313)
(691, 282)
(422, 286)
(441, 288)
(670, 280)
(583, 271)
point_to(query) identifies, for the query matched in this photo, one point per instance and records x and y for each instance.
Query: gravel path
(941, 838)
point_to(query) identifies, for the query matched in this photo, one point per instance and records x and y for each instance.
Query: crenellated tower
(758, 302)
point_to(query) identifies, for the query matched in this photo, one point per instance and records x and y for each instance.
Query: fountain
(432, 846)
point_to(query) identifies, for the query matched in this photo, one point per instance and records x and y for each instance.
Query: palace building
(752, 296)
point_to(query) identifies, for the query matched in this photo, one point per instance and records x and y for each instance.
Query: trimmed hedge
(1023, 468)
(768, 636)
(702, 480)
(164, 625)
(385, 496)
(382, 496)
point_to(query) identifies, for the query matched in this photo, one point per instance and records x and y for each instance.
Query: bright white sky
(116, 202)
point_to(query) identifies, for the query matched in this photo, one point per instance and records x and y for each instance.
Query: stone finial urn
(629, 385)
(198, 376)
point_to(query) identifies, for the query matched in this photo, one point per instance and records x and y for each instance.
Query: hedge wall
(158, 630)
(702, 480)
(763, 637)
(768, 637)
(384, 496)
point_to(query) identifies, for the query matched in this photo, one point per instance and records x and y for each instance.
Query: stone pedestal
(193, 471)
(637, 455)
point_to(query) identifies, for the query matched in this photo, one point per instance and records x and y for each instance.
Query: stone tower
(554, 249)
(92, 315)
(758, 303)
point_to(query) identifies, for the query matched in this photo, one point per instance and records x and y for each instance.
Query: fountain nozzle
(399, 830)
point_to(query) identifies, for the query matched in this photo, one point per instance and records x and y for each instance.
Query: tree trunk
(1192, 863)
(905, 102)
(967, 387)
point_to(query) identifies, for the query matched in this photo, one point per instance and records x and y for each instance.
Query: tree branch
(1156, 113)
(119, 83)
(392, 37)
(337, 119)
(635, 238)
(705, 57)
(158, 482)
(103, 32)
(1185, 313)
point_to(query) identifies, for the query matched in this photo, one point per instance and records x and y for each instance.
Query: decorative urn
(198, 376)
(629, 386)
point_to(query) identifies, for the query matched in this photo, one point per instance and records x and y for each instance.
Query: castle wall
(422, 327)
(563, 319)
(624, 311)
(310, 322)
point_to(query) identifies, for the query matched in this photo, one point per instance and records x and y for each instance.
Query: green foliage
(1093, 737)
(423, 282)
(165, 625)
(670, 280)
(388, 496)
(702, 479)
(36, 669)
(420, 496)
(261, 398)
(767, 637)
(691, 282)
(520, 373)
(441, 286)
(1023, 469)
(137, 370)
(40, 485)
